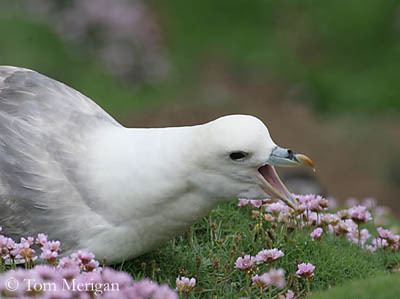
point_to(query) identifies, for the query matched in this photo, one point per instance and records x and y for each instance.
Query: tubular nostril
(290, 154)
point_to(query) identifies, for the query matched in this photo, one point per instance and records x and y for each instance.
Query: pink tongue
(271, 176)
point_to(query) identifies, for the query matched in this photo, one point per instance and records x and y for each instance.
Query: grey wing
(43, 128)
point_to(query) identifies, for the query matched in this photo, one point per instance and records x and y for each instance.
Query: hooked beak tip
(306, 161)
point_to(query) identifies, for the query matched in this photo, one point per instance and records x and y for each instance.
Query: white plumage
(68, 169)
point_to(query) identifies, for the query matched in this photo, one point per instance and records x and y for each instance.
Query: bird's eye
(238, 155)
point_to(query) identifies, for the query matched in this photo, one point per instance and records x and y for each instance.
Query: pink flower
(274, 277)
(312, 202)
(184, 284)
(289, 295)
(24, 249)
(127, 288)
(359, 214)
(41, 239)
(50, 251)
(86, 260)
(377, 243)
(257, 203)
(330, 219)
(316, 233)
(49, 255)
(380, 243)
(8, 248)
(358, 238)
(277, 278)
(277, 207)
(389, 236)
(243, 202)
(245, 263)
(268, 255)
(305, 270)
(261, 282)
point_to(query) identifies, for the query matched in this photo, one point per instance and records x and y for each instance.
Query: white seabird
(70, 170)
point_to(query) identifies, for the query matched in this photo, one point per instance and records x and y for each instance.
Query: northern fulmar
(68, 169)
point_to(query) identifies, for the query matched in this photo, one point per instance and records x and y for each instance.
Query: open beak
(271, 183)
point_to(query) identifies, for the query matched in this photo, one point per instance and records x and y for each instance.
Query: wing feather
(44, 128)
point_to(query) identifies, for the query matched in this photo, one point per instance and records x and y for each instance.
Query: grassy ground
(209, 249)
(380, 287)
(343, 58)
(37, 47)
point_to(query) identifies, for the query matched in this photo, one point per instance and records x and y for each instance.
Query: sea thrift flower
(243, 202)
(316, 233)
(380, 243)
(261, 282)
(25, 250)
(93, 284)
(50, 251)
(389, 236)
(274, 277)
(277, 278)
(289, 295)
(85, 260)
(268, 255)
(385, 233)
(359, 214)
(332, 219)
(276, 208)
(8, 248)
(41, 239)
(344, 226)
(185, 285)
(343, 214)
(358, 237)
(312, 202)
(256, 203)
(245, 263)
(305, 270)
(313, 218)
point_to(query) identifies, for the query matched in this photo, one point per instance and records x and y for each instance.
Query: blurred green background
(323, 75)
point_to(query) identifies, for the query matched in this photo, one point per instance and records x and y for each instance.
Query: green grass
(36, 46)
(382, 287)
(343, 57)
(209, 249)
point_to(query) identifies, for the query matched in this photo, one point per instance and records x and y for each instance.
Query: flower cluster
(245, 263)
(311, 202)
(185, 285)
(123, 35)
(305, 270)
(313, 211)
(268, 255)
(273, 278)
(316, 234)
(76, 276)
(45, 281)
(386, 239)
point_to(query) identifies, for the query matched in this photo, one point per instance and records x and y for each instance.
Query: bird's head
(238, 158)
